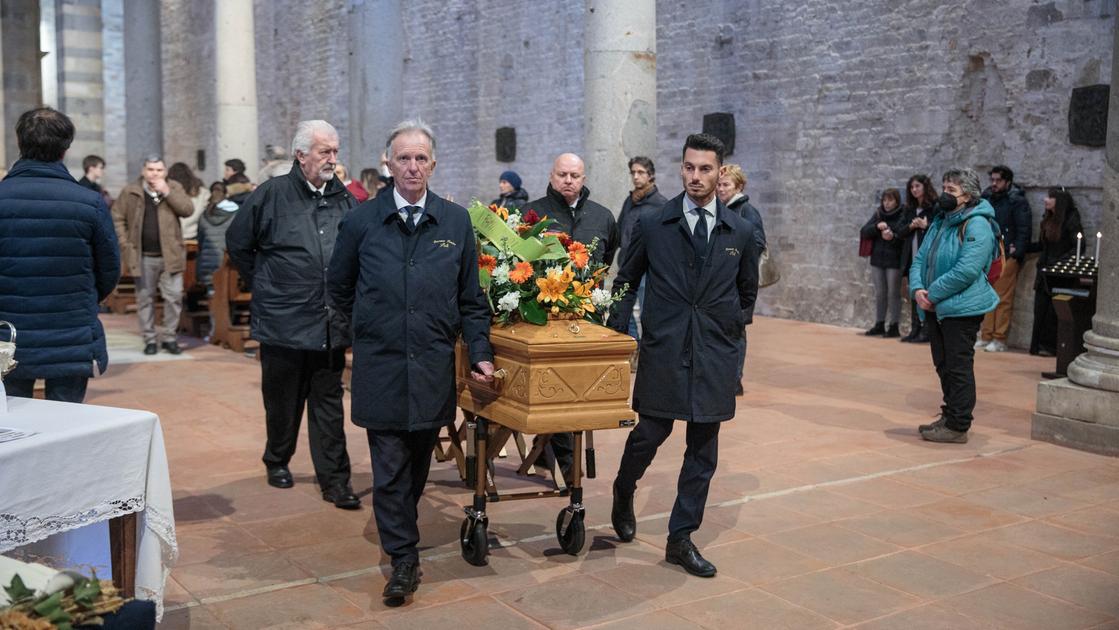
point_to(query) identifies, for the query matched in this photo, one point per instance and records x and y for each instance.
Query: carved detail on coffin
(519, 384)
(553, 388)
(607, 386)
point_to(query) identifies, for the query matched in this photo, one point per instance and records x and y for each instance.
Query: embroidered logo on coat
(445, 244)
(732, 251)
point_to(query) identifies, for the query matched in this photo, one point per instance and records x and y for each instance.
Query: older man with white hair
(281, 241)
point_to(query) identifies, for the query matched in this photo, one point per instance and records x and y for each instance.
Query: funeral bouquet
(532, 274)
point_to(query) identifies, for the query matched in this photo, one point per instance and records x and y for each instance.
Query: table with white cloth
(84, 465)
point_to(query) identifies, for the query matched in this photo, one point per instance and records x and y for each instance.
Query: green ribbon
(506, 238)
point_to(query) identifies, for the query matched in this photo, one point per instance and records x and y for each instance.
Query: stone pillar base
(1078, 417)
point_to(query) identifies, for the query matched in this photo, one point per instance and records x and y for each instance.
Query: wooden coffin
(564, 376)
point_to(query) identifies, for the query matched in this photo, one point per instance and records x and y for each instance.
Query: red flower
(530, 218)
(487, 262)
(563, 237)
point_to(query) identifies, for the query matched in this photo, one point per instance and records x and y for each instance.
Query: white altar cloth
(88, 464)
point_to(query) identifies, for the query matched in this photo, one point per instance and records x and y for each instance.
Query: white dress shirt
(402, 204)
(692, 216)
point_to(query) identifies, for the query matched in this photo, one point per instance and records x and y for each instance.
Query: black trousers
(700, 459)
(401, 461)
(1044, 335)
(952, 340)
(291, 380)
(63, 389)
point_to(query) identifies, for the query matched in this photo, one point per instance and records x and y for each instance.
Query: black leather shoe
(684, 553)
(342, 497)
(150, 348)
(280, 477)
(404, 581)
(172, 347)
(621, 515)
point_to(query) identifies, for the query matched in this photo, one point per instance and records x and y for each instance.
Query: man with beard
(405, 273)
(567, 203)
(644, 196)
(700, 262)
(281, 241)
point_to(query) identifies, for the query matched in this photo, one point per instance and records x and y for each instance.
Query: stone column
(78, 58)
(143, 79)
(22, 83)
(1082, 411)
(620, 85)
(235, 85)
(376, 79)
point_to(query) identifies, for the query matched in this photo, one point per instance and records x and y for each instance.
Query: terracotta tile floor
(827, 511)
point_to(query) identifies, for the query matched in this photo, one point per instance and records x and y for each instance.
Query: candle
(1079, 241)
(1099, 237)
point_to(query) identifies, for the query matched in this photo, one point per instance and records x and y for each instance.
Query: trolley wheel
(571, 540)
(474, 539)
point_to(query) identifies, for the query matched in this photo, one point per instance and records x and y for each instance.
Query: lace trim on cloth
(16, 532)
(164, 528)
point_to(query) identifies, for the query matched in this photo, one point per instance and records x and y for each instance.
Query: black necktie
(413, 213)
(699, 236)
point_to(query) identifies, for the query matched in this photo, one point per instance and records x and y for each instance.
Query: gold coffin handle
(487, 392)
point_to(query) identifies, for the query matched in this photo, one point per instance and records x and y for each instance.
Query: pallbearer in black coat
(700, 264)
(405, 270)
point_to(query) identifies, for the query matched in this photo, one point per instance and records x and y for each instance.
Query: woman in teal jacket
(948, 280)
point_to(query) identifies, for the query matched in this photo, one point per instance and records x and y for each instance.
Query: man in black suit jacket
(405, 272)
(700, 265)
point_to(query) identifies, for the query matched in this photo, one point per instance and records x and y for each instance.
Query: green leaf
(538, 229)
(17, 591)
(86, 592)
(49, 606)
(533, 312)
(484, 278)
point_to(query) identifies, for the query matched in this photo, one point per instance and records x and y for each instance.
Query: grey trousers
(170, 287)
(887, 292)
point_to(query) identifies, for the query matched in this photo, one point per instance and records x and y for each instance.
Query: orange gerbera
(487, 262)
(521, 271)
(499, 211)
(578, 254)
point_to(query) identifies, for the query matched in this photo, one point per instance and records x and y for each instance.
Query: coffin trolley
(566, 376)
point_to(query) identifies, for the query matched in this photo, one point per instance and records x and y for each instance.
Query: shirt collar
(690, 205)
(402, 203)
(321, 190)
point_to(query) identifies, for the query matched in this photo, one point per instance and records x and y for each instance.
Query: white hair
(306, 130)
(406, 126)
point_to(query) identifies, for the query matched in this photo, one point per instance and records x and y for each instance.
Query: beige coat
(128, 219)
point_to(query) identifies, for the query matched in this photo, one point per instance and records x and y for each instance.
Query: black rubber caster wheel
(573, 538)
(474, 542)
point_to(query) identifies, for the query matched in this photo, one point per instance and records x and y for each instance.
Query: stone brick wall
(834, 102)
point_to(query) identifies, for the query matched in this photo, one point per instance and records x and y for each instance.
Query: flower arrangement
(530, 273)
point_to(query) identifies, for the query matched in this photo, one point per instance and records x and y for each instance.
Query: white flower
(509, 302)
(554, 270)
(513, 221)
(501, 273)
(601, 297)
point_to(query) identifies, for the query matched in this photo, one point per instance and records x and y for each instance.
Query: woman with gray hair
(948, 280)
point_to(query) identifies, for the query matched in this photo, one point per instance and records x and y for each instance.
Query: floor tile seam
(957, 532)
(758, 587)
(918, 604)
(1016, 582)
(493, 597)
(859, 478)
(634, 616)
(927, 600)
(1109, 617)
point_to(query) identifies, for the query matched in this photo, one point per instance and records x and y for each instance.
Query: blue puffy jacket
(58, 259)
(954, 271)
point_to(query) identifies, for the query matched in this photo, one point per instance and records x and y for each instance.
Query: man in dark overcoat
(567, 201)
(280, 241)
(700, 265)
(405, 271)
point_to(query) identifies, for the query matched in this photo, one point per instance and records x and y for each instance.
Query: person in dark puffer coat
(885, 262)
(58, 259)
